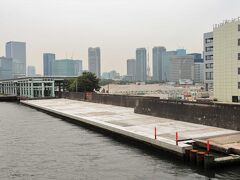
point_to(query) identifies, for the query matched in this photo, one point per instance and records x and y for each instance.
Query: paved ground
(124, 120)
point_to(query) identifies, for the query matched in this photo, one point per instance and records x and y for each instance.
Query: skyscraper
(166, 64)
(131, 69)
(66, 67)
(94, 61)
(5, 68)
(158, 54)
(31, 71)
(78, 67)
(48, 62)
(181, 67)
(141, 64)
(17, 52)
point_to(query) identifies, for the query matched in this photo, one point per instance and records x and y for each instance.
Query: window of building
(238, 70)
(238, 56)
(209, 75)
(209, 57)
(209, 66)
(210, 48)
(239, 27)
(208, 40)
(239, 42)
(238, 85)
(235, 99)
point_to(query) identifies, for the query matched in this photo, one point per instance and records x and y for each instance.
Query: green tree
(87, 82)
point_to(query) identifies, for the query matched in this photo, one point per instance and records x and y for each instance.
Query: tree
(87, 82)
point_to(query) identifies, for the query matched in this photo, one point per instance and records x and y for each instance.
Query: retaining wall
(212, 114)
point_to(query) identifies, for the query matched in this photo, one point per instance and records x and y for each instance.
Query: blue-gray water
(34, 145)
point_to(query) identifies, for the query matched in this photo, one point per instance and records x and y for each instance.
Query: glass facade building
(48, 61)
(5, 68)
(17, 52)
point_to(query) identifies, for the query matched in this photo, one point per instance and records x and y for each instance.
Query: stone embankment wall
(212, 114)
(9, 98)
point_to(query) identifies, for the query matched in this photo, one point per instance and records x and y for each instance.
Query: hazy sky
(69, 27)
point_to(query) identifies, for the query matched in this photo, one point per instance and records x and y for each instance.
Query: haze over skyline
(68, 27)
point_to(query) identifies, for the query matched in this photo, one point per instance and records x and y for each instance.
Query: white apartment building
(208, 60)
(226, 59)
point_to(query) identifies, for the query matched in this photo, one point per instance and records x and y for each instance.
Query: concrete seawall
(217, 115)
(211, 114)
(148, 130)
(9, 99)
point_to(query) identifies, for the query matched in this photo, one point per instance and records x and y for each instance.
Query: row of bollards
(199, 158)
(196, 157)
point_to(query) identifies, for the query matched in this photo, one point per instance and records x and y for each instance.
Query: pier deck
(122, 120)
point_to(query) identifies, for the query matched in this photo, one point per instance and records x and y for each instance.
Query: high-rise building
(131, 69)
(94, 61)
(17, 52)
(141, 64)
(198, 72)
(48, 61)
(198, 67)
(197, 57)
(208, 60)
(158, 54)
(166, 64)
(5, 68)
(31, 71)
(226, 59)
(111, 75)
(78, 67)
(66, 67)
(181, 67)
(181, 52)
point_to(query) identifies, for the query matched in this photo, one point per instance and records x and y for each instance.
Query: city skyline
(46, 32)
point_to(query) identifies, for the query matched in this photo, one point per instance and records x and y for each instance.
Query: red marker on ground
(155, 133)
(177, 138)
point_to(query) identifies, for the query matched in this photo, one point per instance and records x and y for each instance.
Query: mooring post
(193, 156)
(208, 147)
(200, 158)
(187, 154)
(208, 161)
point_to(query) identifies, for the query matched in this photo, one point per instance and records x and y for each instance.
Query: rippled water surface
(35, 145)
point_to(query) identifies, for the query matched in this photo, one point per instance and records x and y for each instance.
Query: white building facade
(226, 58)
(208, 60)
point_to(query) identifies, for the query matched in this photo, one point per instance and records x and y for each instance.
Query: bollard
(200, 158)
(155, 133)
(208, 161)
(208, 147)
(187, 154)
(176, 138)
(192, 157)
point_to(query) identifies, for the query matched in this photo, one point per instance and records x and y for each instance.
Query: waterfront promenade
(124, 121)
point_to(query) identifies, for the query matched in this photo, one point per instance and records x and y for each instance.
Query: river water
(35, 145)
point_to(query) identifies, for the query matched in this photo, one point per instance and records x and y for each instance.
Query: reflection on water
(34, 145)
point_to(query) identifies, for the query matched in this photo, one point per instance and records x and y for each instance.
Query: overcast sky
(69, 27)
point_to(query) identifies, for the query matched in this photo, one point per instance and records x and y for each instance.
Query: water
(34, 145)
